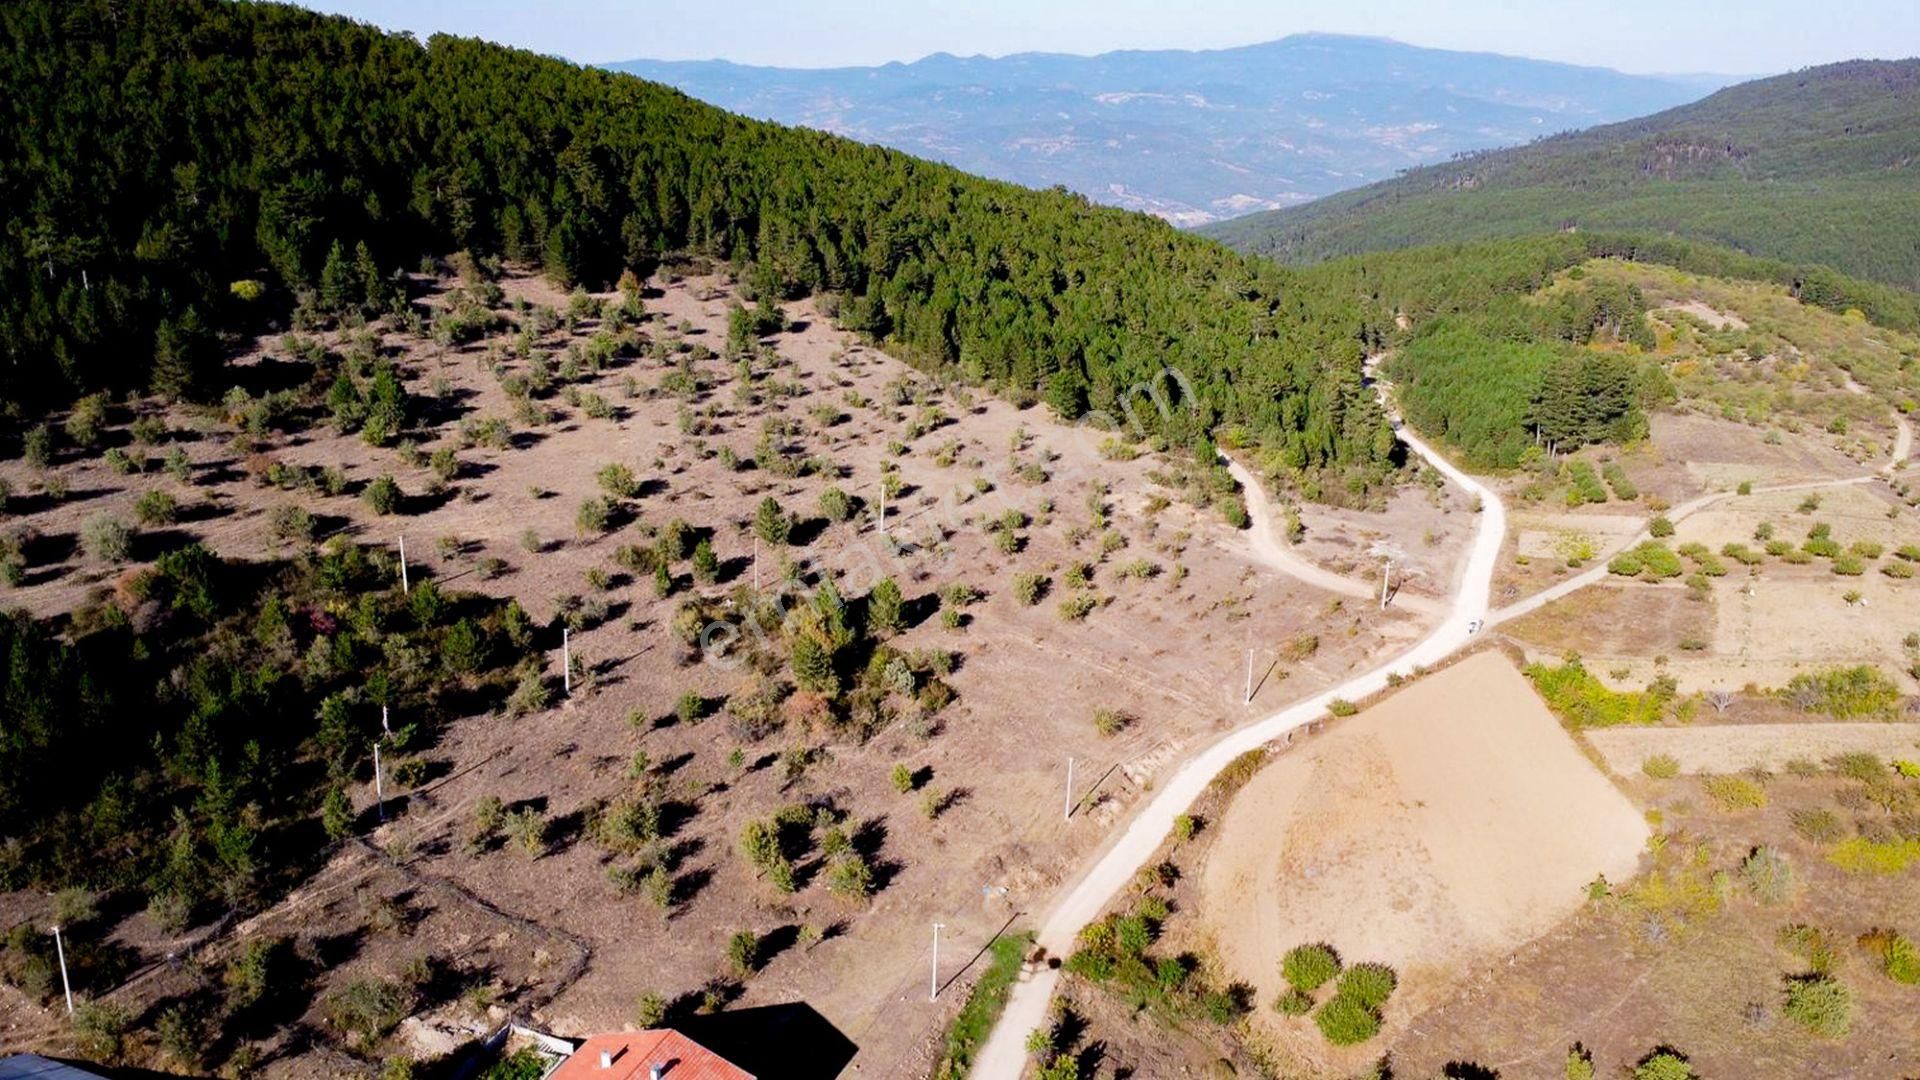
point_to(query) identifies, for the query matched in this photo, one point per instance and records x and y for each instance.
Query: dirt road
(1004, 1055)
(1270, 549)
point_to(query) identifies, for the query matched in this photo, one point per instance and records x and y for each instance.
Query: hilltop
(1192, 136)
(1816, 166)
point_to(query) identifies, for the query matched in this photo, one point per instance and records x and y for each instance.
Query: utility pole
(404, 587)
(385, 729)
(379, 785)
(60, 947)
(933, 976)
(1249, 698)
(566, 660)
(1069, 814)
(1386, 575)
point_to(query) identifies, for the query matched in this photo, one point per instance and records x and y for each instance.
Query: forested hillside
(182, 168)
(1486, 367)
(1818, 166)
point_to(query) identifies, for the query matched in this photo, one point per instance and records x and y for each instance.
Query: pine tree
(770, 522)
(884, 609)
(812, 667)
(706, 567)
(336, 282)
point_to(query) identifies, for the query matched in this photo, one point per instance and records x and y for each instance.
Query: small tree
(336, 814)
(837, 505)
(743, 953)
(770, 522)
(706, 566)
(903, 781)
(885, 609)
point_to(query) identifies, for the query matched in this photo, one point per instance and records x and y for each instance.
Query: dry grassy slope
(1167, 650)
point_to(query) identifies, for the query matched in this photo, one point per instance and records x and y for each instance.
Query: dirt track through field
(1727, 748)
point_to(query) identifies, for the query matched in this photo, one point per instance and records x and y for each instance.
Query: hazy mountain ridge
(1192, 136)
(1821, 165)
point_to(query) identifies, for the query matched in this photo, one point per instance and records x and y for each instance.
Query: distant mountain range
(1191, 136)
(1817, 166)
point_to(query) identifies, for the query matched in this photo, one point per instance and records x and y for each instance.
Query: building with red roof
(653, 1054)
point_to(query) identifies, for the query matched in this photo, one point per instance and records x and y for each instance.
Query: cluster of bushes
(1651, 559)
(1352, 1013)
(1579, 698)
(1584, 484)
(1845, 693)
(1116, 952)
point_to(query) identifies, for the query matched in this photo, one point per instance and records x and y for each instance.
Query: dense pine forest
(1815, 166)
(187, 168)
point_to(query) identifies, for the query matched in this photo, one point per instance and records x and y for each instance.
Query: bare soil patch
(1450, 822)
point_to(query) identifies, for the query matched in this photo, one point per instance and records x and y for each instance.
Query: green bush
(1660, 526)
(1821, 1004)
(1845, 693)
(1582, 700)
(1308, 967)
(382, 495)
(1346, 1022)
(1367, 984)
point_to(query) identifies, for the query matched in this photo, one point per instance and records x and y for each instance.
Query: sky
(1748, 37)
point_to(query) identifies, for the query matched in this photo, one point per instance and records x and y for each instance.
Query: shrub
(743, 952)
(1736, 792)
(106, 538)
(1768, 875)
(1029, 588)
(1293, 1003)
(837, 505)
(1845, 693)
(1817, 825)
(1076, 607)
(1109, 722)
(593, 516)
(1661, 766)
(1821, 1004)
(618, 481)
(1369, 985)
(1661, 526)
(382, 495)
(1899, 958)
(1342, 707)
(1308, 967)
(1345, 1022)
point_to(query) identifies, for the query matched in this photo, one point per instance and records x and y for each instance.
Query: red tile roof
(635, 1052)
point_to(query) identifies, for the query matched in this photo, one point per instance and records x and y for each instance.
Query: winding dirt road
(1004, 1055)
(1275, 552)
